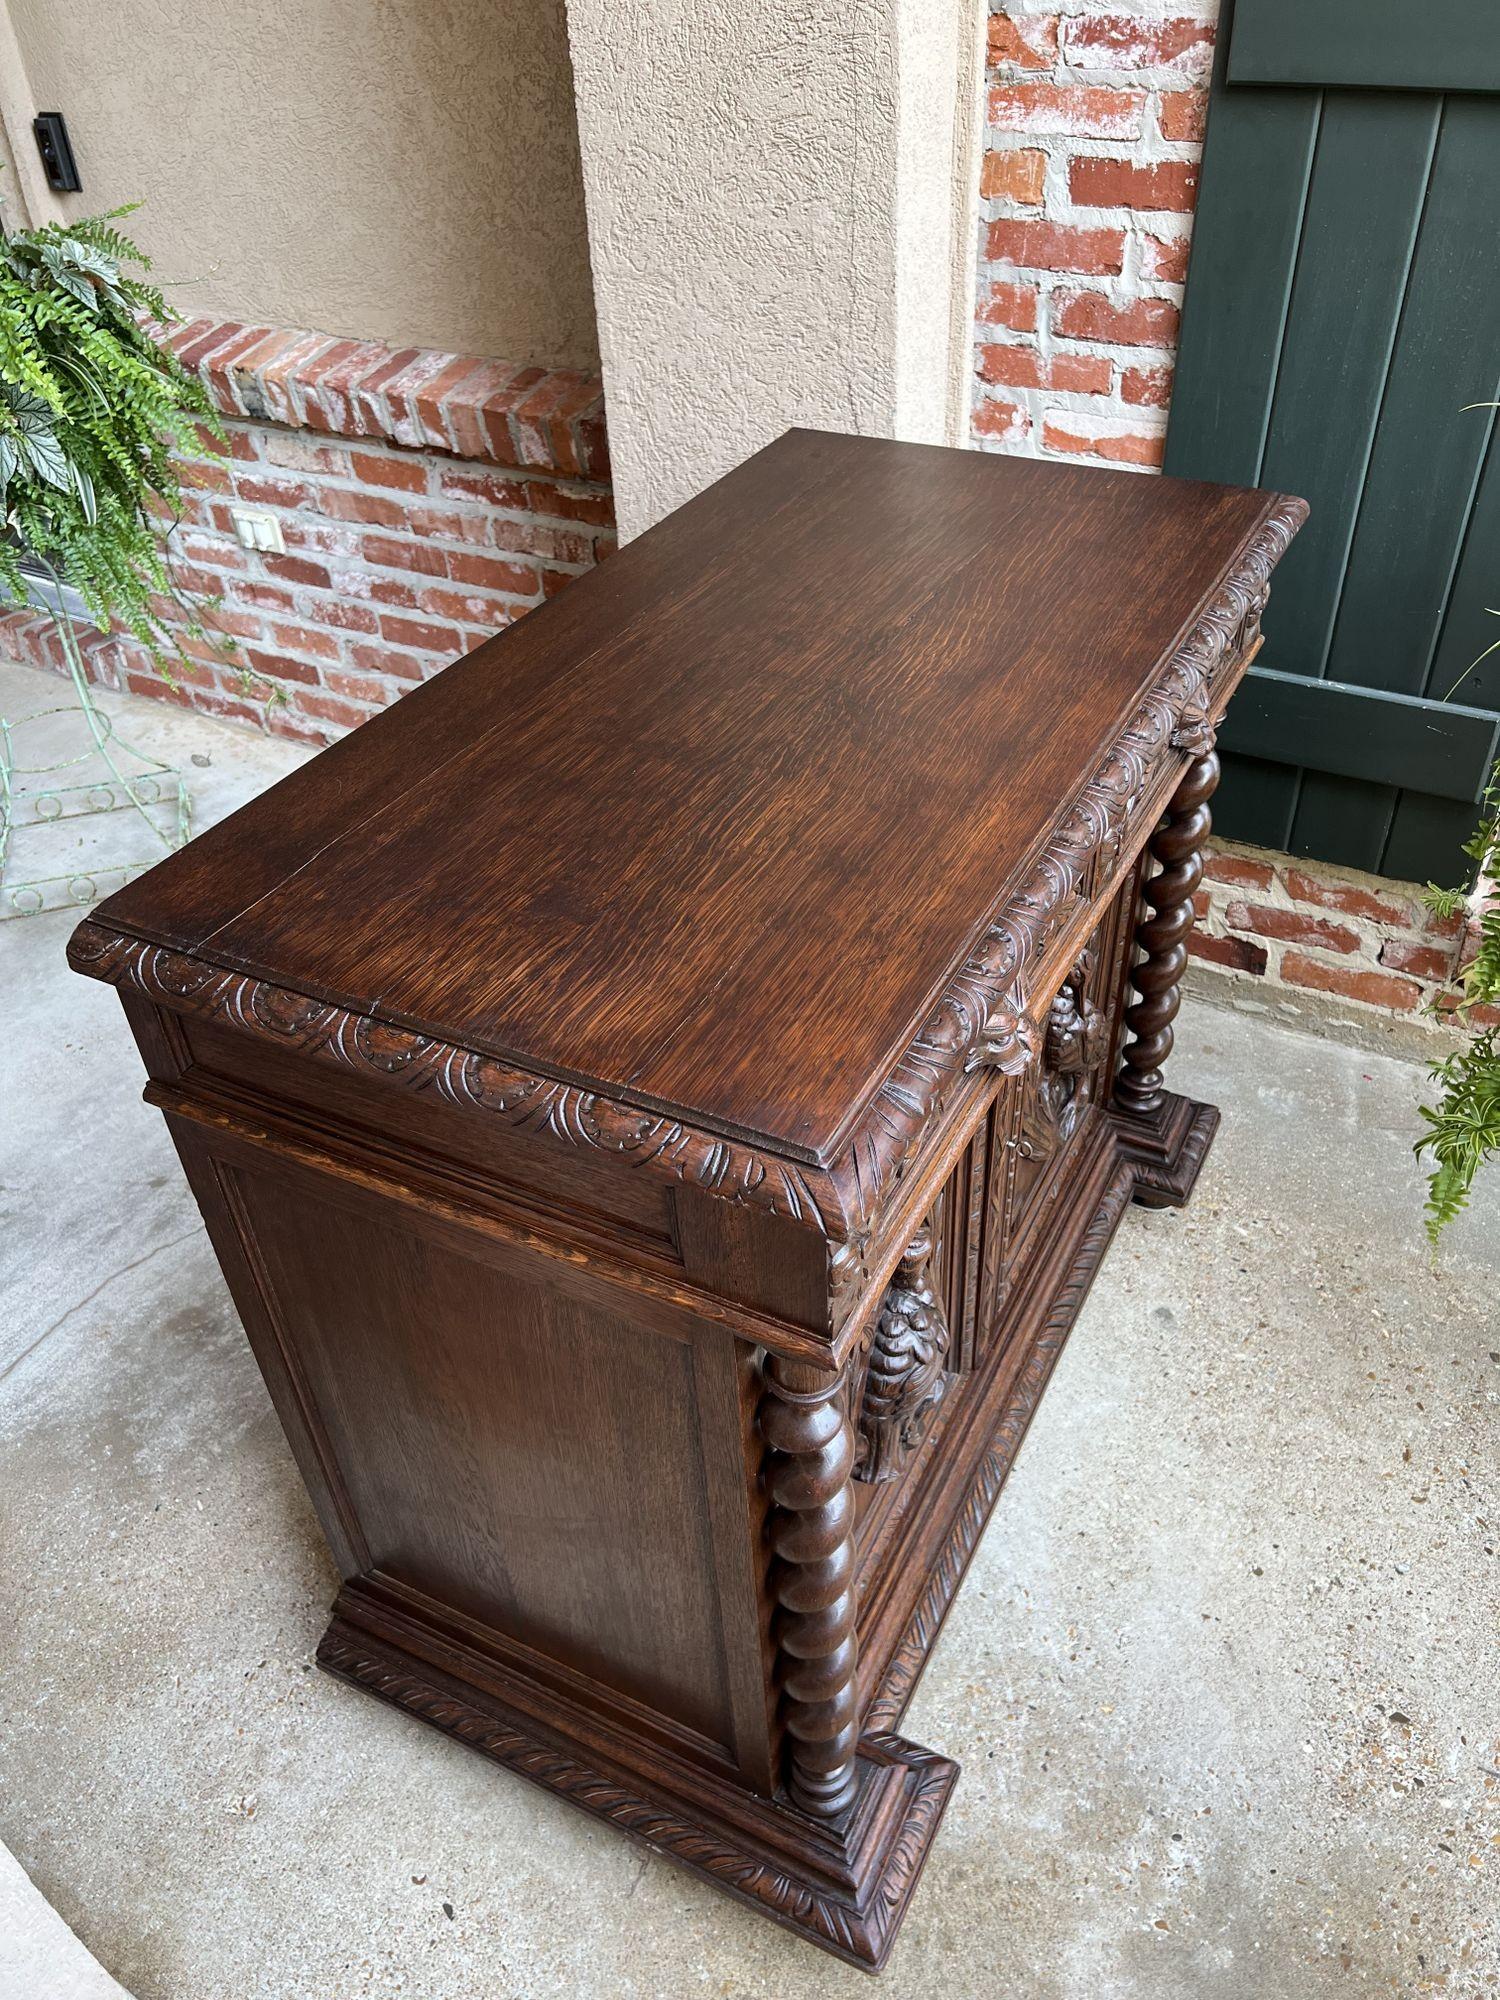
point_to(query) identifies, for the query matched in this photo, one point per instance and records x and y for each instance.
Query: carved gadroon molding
(979, 1020)
(554, 1111)
(861, 1933)
(907, 1374)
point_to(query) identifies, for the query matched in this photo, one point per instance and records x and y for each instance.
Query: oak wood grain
(814, 722)
(658, 1100)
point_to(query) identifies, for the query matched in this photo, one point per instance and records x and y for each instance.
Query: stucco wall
(400, 170)
(779, 206)
(939, 143)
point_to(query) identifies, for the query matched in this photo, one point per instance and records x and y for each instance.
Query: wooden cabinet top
(714, 834)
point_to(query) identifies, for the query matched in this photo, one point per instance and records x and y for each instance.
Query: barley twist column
(1177, 846)
(805, 1426)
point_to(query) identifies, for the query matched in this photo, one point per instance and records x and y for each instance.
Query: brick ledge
(1313, 940)
(1416, 1037)
(547, 419)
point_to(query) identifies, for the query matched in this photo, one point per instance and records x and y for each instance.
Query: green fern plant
(92, 414)
(1463, 1127)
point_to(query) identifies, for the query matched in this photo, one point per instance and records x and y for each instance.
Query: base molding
(844, 1885)
(1166, 1147)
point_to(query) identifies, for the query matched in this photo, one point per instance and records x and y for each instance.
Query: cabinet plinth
(659, 1098)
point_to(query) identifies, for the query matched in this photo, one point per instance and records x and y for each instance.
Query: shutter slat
(1436, 747)
(1341, 307)
(1366, 44)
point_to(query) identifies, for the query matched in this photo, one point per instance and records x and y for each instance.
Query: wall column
(28, 201)
(782, 204)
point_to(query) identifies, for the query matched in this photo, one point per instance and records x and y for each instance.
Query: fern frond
(93, 413)
(1463, 1127)
(1445, 902)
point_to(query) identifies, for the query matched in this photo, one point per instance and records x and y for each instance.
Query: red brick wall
(1094, 122)
(1094, 129)
(426, 500)
(1331, 939)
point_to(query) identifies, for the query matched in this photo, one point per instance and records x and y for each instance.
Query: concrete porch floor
(1222, 1679)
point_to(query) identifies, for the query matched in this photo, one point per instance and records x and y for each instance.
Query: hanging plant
(92, 414)
(1464, 1125)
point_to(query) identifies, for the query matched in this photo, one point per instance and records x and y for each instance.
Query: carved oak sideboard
(660, 1095)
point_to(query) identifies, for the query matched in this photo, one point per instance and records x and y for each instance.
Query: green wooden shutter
(1343, 306)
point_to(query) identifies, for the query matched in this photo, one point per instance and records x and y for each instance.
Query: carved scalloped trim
(558, 1112)
(842, 1201)
(1095, 828)
(862, 1934)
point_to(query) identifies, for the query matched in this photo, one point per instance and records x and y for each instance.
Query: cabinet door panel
(1047, 1110)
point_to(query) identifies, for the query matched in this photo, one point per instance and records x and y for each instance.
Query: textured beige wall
(27, 201)
(940, 54)
(781, 204)
(401, 170)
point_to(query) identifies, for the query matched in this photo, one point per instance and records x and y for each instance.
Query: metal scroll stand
(107, 775)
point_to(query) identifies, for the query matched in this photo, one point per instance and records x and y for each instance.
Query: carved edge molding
(1096, 826)
(1167, 1150)
(860, 1932)
(978, 1021)
(558, 1112)
(910, 1654)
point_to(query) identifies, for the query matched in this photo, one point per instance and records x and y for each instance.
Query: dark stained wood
(804, 1419)
(519, 1405)
(652, 1425)
(589, 861)
(1177, 848)
(908, 1370)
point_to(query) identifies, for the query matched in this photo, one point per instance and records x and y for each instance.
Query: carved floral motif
(1075, 1043)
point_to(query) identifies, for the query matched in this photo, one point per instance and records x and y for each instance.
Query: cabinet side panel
(501, 1445)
